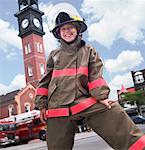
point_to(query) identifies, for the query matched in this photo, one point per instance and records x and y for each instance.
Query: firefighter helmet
(64, 18)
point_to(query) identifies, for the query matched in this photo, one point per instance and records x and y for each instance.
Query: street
(83, 141)
(91, 143)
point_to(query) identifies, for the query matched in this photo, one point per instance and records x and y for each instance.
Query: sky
(116, 28)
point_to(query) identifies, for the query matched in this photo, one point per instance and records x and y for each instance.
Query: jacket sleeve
(98, 87)
(42, 89)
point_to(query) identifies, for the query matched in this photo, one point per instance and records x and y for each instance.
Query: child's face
(68, 32)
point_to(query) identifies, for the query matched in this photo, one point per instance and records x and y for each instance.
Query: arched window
(27, 48)
(42, 70)
(30, 71)
(27, 107)
(39, 47)
(10, 110)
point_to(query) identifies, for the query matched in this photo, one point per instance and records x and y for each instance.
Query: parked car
(138, 119)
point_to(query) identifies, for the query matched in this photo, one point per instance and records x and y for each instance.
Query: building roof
(11, 96)
(8, 97)
(124, 90)
(131, 89)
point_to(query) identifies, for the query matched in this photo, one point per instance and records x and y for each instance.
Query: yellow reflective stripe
(76, 18)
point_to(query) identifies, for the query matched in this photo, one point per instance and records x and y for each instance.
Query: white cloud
(126, 60)
(121, 19)
(12, 55)
(9, 40)
(17, 83)
(46, 7)
(9, 35)
(50, 43)
(117, 81)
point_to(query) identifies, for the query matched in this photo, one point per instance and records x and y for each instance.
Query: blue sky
(119, 37)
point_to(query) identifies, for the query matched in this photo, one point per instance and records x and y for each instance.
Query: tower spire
(123, 90)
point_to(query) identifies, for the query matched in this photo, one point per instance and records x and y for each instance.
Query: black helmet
(64, 18)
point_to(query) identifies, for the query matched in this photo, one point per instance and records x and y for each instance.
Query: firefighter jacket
(73, 81)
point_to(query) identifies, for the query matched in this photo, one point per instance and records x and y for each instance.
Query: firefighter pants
(113, 125)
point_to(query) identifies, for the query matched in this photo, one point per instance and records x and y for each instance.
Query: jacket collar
(72, 47)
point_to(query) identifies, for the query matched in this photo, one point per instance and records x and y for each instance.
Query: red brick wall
(26, 97)
(4, 109)
(34, 58)
(23, 97)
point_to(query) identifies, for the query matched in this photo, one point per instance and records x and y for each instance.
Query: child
(74, 89)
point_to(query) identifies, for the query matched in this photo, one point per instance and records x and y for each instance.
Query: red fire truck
(8, 134)
(22, 128)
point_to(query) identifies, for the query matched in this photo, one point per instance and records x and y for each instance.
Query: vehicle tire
(42, 135)
(24, 141)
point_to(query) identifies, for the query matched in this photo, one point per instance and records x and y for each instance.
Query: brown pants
(113, 125)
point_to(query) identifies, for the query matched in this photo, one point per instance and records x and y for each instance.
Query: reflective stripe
(82, 70)
(58, 112)
(70, 72)
(97, 83)
(83, 105)
(139, 144)
(64, 72)
(42, 91)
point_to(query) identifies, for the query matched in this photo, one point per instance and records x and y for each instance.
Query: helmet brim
(81, 24)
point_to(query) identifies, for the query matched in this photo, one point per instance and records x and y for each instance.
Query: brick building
(31, 32)
(139, 84)
(138, 80)
(17, 102)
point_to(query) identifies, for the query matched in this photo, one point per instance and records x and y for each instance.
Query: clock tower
(31, 33)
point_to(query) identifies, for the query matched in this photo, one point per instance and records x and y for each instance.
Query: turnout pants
(113, 125)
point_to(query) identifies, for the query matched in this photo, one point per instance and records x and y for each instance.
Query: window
(27, 107)
(1, 128)
(138, 76)
(27, 48)
(39, 47)
(30, 71)
(36, 121)
(42, 70)
(12, 126)
(10, 109)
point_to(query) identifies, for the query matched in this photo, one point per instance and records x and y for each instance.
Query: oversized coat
(73, 81)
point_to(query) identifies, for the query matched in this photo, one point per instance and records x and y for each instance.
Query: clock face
(25, 23)
(36, 22)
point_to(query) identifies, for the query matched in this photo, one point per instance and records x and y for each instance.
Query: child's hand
(108, 103)
(43, 115)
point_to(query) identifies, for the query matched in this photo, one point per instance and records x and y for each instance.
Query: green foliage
(138, 97)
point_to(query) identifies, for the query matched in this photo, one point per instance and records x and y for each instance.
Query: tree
(137, 96)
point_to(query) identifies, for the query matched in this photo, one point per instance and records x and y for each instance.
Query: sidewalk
(78, 136)
(84, 135)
